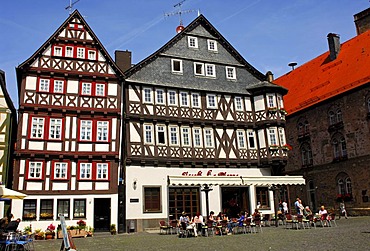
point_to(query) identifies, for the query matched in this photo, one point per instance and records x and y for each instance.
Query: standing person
(285, 207)
(184, 220)
(296, 206)
(198, 220)
(301, 208)
(342, 209)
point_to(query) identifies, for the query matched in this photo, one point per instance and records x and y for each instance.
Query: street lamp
(206, 190)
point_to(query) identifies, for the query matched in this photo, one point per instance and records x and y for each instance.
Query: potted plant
(27, 230)
(81, 225)
(39, 235)
(113, 229)
(50, 232)
(90, 231)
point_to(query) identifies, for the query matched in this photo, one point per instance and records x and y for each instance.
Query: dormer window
(212, 45)
(193, 42)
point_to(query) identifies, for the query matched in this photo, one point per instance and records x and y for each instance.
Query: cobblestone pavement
(350, 234)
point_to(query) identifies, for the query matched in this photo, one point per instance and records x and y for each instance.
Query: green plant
(113, 229)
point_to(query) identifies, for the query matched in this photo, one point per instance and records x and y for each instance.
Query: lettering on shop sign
(134, 200)
(209, 173)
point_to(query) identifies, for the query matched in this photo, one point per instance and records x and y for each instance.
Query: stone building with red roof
(328, 122)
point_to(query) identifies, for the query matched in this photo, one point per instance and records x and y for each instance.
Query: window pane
(79, 207)
(152, 197)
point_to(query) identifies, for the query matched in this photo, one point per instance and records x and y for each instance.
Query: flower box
(75, 233)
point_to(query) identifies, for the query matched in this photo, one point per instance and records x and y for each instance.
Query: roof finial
(70, 6)
(179, 12)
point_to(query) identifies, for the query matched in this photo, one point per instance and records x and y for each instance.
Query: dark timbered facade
(68, 139)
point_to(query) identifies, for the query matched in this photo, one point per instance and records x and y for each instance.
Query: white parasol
(6, 193)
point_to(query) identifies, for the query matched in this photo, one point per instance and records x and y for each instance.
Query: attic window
(193, 42)
(230, 72)
(212, 45)
(176, 66)
(76, 26)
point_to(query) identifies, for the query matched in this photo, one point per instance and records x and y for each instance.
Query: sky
(269, 34)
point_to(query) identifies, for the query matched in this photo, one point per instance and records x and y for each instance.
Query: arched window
(339, 146)
(300, 129)
(306, 154)
(348, 186)
(306, 127)
(341, 189)
(332, 120)
(339, 116)
(344, 186)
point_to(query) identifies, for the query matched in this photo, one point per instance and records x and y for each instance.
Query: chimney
(362, 21)
(123, 59)
(334, 45)
(269, 76)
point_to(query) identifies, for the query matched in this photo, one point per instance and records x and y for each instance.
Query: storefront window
(184, 200)
(262, 195)
(152, 199)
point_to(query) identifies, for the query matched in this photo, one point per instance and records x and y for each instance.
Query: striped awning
(234, 180)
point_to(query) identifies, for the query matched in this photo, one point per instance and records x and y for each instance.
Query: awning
(7, 193)
(235, 180)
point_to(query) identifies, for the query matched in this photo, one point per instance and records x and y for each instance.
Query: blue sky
(269, 34)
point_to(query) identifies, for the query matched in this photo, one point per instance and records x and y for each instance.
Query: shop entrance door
(234, 200)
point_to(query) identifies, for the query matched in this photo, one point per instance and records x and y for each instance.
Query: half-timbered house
(68, 138)
(204, 131)
(8, 122)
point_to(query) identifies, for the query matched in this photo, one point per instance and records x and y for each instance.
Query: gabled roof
(200, 20)
(321, 78)
(38, 53)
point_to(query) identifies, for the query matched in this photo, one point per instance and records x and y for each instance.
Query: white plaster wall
(30, 83)
(259, 103)
(132, 95)
(72, 86)
(112, 89)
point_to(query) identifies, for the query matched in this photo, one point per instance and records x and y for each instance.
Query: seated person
(5, 221)
(307, 212)
(256, 214)
(13, 225)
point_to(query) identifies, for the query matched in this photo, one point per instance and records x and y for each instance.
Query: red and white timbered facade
(68, 139)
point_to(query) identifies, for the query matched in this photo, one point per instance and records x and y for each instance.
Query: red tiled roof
(321, 78)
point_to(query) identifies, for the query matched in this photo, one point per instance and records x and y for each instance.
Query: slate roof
(321, 79)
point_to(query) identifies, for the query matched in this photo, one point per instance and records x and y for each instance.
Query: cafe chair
(164, 227)
(257, 223)
(300, 221)
(332, 220)
(174, 226)
(290, 220)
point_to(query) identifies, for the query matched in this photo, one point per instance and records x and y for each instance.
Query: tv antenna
(70, 6)
(179, 12)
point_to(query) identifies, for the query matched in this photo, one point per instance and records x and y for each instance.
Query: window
(208, 137)
(335, 116)
(272, 137)
(148, 132)
(63, 208)
(262, 195)
(85, 171)
(44, 85)
(282, 136)
(58, 86)
(176, 66)
(183, 199)
(184, 99)
(160, 98)
(69, 51)
(211, 101)
(197, 137)
(58, 51)
(199, 69)
(60, 170)
(75, 26)
(55, 129)
(280, 101)
(102, 171)
(172, 98)
(368, 104)
(251, 139)
(241, 138)
(98, 89)
(238, 104)
(161, 138)
(79, 208)
(185, 136)
(210, 70)
(230, 72)
(148, 95)
(29, 209)
(339, 147)
(91, 55)
(35, 170)
(37, 128)
(174, 136)
(152, 199)
(193, 42)
(344, 186)
(195, 100)
(80, 52)
(46, 209)
(271, 101)
(94, 130)
(212, 45)
(306, 154)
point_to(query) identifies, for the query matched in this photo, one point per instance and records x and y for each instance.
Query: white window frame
(161, 129)
(251, 135)
(241, 139)
(44, 85)
(35, 169)
(86, 88)
(185, 136)
(230, 72)
(210, 70)
(148, 134)
(172, 98)
(282, 136)
(272, 137)
(80, 52)
(211, 42)
(184, 99)
(211, 101)
(173, 61)
(147, 95)
(86, 130)
(195, 100)
(193, 42)
(271, 102)
(60, 170)
(201, 67)
(100, 89)
(102, 131)
(174, 135)
(91, 54)
(37, 128)
(55, 128)
(58, 86)
(58, 51)
(102, 171)
(238, 103)
(208, 138)
(69, 51)
(197, 137)
(85, 171)
(280, 101)
(160, 99)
